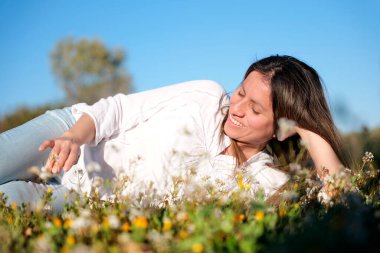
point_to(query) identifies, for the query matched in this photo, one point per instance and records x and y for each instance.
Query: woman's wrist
(70, 135)
(321, 152)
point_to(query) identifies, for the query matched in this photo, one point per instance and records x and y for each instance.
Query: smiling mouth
(235, 122)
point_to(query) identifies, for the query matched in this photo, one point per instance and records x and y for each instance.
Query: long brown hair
(297, 94)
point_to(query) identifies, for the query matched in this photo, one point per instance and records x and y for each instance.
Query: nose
(238, 109)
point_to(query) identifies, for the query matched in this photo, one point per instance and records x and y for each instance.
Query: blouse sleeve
(261, 176)
(122, 112)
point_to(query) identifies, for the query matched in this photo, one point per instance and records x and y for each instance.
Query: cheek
(262, 126)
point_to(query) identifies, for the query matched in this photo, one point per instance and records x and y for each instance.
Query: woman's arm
(320, 151)
(66, 149)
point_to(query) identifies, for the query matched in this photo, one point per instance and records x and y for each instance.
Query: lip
(234, 122)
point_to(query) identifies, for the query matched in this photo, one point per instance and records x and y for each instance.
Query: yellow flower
(182, 216)
(259, 215)
(67, 223)
(197, 248)
(239, 217)
(106, 223)
(57, 222)
(49, 190)
(167, 224)
(240, 182)
(94, 228)
(14, 205)
(140, 222)
(281, 212)
(247, 187)
(125, 227)
(70, 240)
(183, 234)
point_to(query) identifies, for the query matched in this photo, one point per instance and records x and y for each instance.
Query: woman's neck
(247, 150)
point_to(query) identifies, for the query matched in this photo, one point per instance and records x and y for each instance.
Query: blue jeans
(19, 152)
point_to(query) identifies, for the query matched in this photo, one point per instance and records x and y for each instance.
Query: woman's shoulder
(203, 86)
(263, 174)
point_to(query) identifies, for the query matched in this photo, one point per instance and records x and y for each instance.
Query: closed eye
(255, 112)
(241, 92)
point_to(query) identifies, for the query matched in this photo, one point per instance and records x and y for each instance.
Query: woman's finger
(54, 156)
(46, 144)
(60, 160)
(72, 159)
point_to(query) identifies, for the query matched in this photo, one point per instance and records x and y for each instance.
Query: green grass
(347, 219)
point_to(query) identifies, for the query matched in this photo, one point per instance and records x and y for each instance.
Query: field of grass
(341, 214)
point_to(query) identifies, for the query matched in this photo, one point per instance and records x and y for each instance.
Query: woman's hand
(64, 154)
(286, 129)
(66, 149)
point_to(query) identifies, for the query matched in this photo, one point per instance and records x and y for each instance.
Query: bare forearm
(321, 152)
(83, 131)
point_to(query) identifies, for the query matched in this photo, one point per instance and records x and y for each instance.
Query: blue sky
(173, 41)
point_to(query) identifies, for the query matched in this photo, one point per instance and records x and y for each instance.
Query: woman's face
(250, 119)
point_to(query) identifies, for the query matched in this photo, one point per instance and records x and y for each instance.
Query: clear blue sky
(173, 41)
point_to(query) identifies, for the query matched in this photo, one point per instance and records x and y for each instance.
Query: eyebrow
(253, 101)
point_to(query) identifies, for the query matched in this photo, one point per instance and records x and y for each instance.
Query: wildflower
(140, 222)
(42, 245)
(44, 174)
(182, 216)
(167, 224)
(183, 234)
(14, 205)
(259, 215)
(93, 167)
(28, 231)
(67, 223)
(323, 197)
(240, 182)
(81, 223)
(197, 247)
(113, 221)
(125, 227)
(94, 228)
(48, 225)
(239, 217)
(49, 191)
(106, 223)
(368, 157)
(70, 240)
(295, 168)
(39, 206)
(97, 182)
(281, 211)
(57, 222)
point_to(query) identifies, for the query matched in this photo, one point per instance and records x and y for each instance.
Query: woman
(154, 137)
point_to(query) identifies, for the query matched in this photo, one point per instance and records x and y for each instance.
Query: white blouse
(156, 138)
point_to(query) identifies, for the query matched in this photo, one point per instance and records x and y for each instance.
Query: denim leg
(28, 192)
(19, 146)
